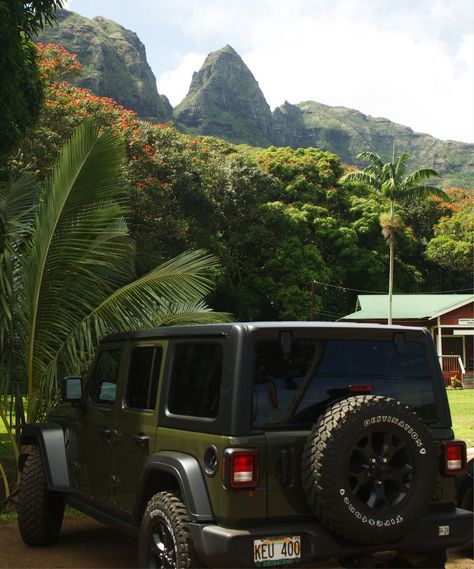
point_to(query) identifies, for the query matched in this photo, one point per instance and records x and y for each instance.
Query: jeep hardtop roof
(249, 327)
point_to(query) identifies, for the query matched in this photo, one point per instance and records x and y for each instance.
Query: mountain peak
(225, 99)
(113, 59)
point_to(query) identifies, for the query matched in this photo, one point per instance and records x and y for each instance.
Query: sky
(411, 61)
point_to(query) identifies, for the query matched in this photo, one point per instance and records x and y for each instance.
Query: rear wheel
(165, 540)
(40, 511)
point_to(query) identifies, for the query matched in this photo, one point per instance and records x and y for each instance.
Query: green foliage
(276, 218)
(21, 91)
(453, 244)
(390, 181)
(73, 281)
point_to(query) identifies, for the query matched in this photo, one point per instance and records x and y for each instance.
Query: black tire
(40, 511)
(369, 469)
(165, 540)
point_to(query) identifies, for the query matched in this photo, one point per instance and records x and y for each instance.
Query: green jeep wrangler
(254, 445)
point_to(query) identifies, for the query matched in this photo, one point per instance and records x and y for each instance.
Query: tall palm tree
(67, 269)
(390, 181)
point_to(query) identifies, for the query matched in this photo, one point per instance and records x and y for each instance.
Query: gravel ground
(85, 543)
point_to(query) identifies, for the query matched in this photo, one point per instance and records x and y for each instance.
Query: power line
(346, 288)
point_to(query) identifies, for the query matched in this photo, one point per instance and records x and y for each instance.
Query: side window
(143, 376)
(195, 380)
(105, 376)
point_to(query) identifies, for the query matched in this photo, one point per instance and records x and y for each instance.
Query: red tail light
(455, 457)
(241, 468)
(360, 388)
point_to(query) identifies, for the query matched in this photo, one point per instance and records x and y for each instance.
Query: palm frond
(18, 203)
(169, 295)
(400, 164)
(361, 177)
(372, 157)
(77, 230)
(419, 176)
(423, 192)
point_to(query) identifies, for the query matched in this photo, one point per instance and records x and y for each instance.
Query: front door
(137, 418)
(97, 436)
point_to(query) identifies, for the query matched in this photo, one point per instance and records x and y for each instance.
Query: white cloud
(400, 63)
(175, 83)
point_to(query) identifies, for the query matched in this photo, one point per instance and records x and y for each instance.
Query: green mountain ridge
(225, 100)
(346, 132)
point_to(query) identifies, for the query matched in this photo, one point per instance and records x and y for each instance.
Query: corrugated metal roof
(407, 306)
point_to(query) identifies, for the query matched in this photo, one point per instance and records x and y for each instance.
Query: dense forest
(276, 218)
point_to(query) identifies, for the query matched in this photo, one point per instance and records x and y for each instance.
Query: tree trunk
(390, 277)
(391, 243)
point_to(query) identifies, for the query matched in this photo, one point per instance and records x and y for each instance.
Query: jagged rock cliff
(225, 100)
(114, 62)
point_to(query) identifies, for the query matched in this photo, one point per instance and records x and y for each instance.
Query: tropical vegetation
(397, 188)
(84, 225)
(21, 91)
(67, 271)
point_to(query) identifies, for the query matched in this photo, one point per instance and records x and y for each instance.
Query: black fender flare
(49, 437)
(185, 469)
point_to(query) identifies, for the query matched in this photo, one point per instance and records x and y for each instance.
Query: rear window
(195, 380)
(297, 387)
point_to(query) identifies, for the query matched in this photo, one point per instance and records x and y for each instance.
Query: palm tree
(66, 269)
(390, 181)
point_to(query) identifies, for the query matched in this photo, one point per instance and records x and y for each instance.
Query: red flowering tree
(167, 172)
(65, 107)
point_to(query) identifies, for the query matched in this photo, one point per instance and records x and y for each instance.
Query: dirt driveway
(84, 543)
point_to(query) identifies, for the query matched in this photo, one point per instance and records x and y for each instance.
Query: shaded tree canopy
(21, 90)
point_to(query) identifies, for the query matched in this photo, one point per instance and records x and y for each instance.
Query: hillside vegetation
(225, 100)
(277, 218)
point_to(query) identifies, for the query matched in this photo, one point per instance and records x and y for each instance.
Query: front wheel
(40, 511)
(165, 540)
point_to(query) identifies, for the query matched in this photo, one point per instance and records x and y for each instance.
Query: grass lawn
(461, 402)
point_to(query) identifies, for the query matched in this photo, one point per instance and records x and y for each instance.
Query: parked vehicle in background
(253, 445)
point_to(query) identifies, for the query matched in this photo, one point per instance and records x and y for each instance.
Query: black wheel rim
(161, 547)
(381, 470)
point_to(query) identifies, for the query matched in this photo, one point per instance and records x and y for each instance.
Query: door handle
(106, 432)
(141, 439)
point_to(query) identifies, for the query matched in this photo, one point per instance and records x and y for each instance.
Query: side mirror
(72, 389)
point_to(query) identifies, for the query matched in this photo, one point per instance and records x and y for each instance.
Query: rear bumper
(218, 546)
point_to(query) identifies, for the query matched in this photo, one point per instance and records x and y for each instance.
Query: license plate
(276, 550)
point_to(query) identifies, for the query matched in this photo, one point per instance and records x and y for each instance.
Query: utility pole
(313, 300)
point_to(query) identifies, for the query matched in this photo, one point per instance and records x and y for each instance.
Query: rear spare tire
(369, 469)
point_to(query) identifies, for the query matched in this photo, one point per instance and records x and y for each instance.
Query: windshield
(296, 387)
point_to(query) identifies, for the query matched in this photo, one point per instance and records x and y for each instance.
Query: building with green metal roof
(412, 307)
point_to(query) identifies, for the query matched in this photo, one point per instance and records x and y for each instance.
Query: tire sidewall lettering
(158, 513)
(365, 519)
(401, 424)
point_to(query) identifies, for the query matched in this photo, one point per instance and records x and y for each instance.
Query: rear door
(294, 386)
(137, 418)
